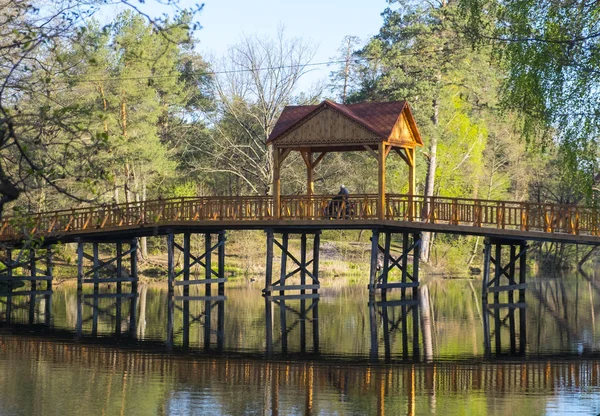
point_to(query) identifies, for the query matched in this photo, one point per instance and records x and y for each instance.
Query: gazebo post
(310, 184)
(411, 182)
(381, 181)
(276, 184)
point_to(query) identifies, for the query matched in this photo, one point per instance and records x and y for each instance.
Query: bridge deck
(499, 219)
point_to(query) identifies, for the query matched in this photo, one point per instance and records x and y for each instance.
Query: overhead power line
(234, 71)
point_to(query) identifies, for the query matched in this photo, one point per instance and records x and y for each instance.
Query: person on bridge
(339, 206)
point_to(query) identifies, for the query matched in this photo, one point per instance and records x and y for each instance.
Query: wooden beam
(388, 149)
(372, 152)
(402, 155)
(381, 181)
(318, 159)
(284, 153)
(310, 184)
(410, 155)
(306, 157)
(412, 183)
(276, 184)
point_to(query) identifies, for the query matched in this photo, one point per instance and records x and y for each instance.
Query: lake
(68, 355)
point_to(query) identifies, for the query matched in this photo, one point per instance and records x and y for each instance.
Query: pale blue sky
(324, 22)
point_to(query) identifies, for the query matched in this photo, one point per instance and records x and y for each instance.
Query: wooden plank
(388, 303)
(200, 282)
(507, 288)
(507, 305)
(293, 287)
(28, 293)
(110, 280)
(202, 298)
(26, 278)
(293, 297)
(110, 295)
(396, 285)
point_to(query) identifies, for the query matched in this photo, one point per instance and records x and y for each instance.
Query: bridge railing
(523, 216)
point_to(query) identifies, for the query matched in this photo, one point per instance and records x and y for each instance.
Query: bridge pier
(507, 270)
(105, 302)
(212, 247)
(25, 268)
(411, 244)
(303, 279)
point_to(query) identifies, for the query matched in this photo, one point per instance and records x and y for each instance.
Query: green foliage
(553, 71)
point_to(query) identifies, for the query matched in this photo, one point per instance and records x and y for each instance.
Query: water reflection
(445, 321)
(138, 381)
(194, 313)
(294, 315)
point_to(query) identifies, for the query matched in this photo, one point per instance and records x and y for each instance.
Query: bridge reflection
(399, 329)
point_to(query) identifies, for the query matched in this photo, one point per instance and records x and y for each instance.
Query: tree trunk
(430, 179)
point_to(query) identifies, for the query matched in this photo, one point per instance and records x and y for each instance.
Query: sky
(323, 22)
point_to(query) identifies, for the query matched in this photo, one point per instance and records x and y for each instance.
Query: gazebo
(315, 130)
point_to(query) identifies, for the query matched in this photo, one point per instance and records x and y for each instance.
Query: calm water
(360, 359)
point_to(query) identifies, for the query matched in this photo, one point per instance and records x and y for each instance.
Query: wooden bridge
(506, 219)
(313, 131)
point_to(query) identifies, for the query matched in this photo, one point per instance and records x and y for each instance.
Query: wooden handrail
(524, 216)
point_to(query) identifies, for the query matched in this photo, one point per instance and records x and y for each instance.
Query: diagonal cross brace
(103, 264)
(300, 266)
(395, 262)
(198, 260)
(505, 268)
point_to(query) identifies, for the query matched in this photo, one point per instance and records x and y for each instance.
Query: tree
(343, 79)
(550, 52)
(252, 85)
(44, 141)
(420, 56)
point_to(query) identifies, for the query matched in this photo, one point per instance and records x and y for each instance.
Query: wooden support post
(49, 273)
(80, 289)
(511, 310)
(381, 182)
(96, 277)
(374, 258)
(522, 311)
(386, 265)
(497, 277)
(33, 272)
(133, 273)
(283, 273)
(416, 258)
(119, 285)
(276, 184)
(412, 184)
(207, 290)
(315, 291)
(302, 292)
(186, 289)
(405, 246)
(487, 253)
(221, 293)
(9, 286)
(268, 303)
(310, 184)
(171, 263)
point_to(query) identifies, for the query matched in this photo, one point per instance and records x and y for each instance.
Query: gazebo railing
(525, 216)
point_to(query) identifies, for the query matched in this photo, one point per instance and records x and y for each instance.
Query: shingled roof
(379, 118)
